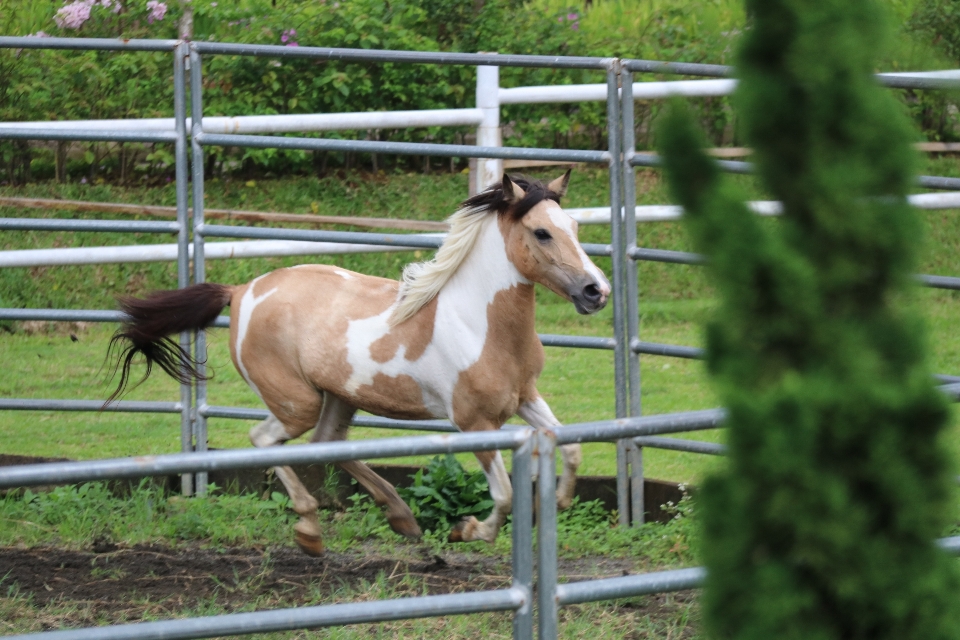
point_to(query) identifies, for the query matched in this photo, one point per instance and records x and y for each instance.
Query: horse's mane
(422, 281)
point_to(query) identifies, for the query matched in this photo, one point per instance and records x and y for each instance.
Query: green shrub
(823, 524)
(444, 494)
(940, 21)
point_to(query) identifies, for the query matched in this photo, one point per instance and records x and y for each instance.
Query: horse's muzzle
(590, 296)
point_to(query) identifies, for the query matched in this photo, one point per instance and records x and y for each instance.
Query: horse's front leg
(502, 493)
(537, 414)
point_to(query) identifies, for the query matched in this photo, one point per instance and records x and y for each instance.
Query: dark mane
(491, 199)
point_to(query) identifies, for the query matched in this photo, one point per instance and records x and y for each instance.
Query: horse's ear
(559, 186)
(511, 192)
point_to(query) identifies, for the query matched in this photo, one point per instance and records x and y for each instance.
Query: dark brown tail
(152, 320)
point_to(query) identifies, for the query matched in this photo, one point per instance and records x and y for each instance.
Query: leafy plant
(939, 20)
(445, 493)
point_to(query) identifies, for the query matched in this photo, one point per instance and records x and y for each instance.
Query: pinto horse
(454, 339)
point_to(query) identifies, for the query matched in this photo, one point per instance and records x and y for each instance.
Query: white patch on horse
(343, 274)
(563, 221)
(460, 326)
(248, 303)
(361, 334)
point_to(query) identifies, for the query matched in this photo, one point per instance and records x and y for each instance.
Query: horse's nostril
(592, 293)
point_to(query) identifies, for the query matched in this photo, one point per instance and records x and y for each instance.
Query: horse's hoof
(309, 544)
(464, 531)
(405, 526)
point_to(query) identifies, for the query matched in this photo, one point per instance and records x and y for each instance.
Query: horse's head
(541, 241)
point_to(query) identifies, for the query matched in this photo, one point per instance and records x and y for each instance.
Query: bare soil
(49, 588)
(110, 578)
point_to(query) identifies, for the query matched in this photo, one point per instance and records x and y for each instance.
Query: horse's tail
(150, 323)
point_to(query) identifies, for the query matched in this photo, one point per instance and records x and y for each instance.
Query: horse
(454, 338)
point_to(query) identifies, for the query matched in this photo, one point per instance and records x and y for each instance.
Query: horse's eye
(543, 235)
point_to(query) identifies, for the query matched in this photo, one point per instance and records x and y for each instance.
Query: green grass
(77, 517)
(675, 302)
(46, 363)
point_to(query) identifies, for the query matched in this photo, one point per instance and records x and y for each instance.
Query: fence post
(619, 293)
(631, 267)
(199, 264)
(489, 171)
(180, 54)
(522, 527)
(547, 535)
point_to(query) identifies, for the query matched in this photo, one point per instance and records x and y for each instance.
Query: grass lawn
(675, 302)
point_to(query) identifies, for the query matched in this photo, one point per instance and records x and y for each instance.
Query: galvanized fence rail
(516, 599)
(630, 430)
(193, 405)
(632, 510)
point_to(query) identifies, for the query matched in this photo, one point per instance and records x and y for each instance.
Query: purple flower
(73, 15)
(39, 34)
(83, 180)
(575, 26)
(157, 11)
(287, 37)
(572, 16)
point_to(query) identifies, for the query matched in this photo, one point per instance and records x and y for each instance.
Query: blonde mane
(422, 281)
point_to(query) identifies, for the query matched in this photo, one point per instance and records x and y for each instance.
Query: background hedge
(58, 85)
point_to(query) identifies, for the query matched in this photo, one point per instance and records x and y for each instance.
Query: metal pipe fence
(516, 599)
(192, 232)
(631, 160)
(630, 431)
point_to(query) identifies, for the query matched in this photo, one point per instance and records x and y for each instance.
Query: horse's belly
(398, 396)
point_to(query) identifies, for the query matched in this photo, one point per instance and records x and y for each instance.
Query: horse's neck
(486, 275)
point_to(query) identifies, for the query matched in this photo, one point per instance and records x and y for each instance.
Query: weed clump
(445, 493)
(823, 524)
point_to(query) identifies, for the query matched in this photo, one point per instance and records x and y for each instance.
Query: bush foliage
(823, 524)
(445, 494)
(45, 85)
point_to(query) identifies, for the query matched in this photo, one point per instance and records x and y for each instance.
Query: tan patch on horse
(491, 390)
(398, 397)
(554, 264)
(415, 334)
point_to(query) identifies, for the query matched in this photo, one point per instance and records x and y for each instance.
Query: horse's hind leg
(333, 425)
(307, 531)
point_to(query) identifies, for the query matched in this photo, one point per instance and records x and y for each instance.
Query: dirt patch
(50, 588)
(110, 578)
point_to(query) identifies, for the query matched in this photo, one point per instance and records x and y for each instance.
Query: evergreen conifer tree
(823, 524)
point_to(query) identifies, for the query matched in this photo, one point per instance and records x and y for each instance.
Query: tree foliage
(823, 524)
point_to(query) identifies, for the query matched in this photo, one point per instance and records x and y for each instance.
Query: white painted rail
(280, 123)
(277, 248)
(168, 252)
(598, 92)
(663, 212)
